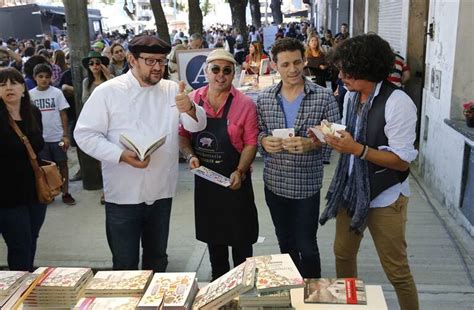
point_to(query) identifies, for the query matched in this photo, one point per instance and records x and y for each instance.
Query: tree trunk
(78, 35)
(237, 8)
(256, 14)
(160, 20)
(276, 11)
(195, 17)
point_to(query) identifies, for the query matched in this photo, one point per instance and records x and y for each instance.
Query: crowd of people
(128, 88)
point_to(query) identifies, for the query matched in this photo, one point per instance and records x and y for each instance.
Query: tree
(206, 7)
(160, 20)
(79, 46)
(237, 9)
(255, 12)
(131, 12)
(195, 17)
(275, 5)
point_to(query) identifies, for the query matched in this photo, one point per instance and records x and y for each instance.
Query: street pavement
(441, 253)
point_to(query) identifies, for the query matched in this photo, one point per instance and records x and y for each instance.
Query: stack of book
(335, 291)
(58, 287)
(118, 283)
(274, 277)
(227, 287)
(9, 283)
(122, 303)
(172, 290)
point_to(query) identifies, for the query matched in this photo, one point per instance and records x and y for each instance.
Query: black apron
(222, 216)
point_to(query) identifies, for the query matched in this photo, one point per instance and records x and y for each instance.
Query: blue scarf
(351, 192)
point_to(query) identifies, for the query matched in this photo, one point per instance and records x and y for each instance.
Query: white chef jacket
(121, 105)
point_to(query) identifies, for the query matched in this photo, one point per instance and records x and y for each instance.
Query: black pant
(219, 257)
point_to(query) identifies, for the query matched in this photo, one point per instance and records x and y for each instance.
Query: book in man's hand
(335, 291)
(142, 146)
(212, 176)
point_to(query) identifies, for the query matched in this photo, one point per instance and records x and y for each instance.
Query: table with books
(261, 282)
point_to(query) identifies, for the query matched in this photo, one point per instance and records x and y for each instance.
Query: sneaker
(67, 199)
(76, 177)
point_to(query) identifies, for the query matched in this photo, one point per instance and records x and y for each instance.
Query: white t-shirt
(50, 102)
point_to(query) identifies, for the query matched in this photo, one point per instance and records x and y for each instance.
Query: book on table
(142, 145)
(106, 303)
(9, 283)
(227, 287)
(335, 291)
(212, 176)
(118, 283)
(175, 290)
(276, 272)
(252, 298)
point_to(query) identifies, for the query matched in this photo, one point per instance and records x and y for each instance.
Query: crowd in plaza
(131, 86)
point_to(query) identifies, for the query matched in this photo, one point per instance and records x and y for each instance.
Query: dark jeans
(126, 225)
(296, 225)
(219, 257)
(20, 228)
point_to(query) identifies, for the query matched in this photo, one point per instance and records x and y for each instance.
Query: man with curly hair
(370, 188)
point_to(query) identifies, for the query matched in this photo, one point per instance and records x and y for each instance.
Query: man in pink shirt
(224, 216)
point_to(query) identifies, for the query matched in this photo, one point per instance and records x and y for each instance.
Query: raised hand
(183, 103)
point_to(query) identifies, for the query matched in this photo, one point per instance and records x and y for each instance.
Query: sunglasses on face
(226, 70)
(91, 63)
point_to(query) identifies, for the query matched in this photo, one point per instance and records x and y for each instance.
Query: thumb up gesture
(183, 103)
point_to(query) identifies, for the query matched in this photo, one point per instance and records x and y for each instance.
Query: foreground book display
(276, 272)
(119, 283)
(106, 303)
(335, 291)
(9, 283)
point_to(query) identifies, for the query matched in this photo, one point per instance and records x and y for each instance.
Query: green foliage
(206, 7)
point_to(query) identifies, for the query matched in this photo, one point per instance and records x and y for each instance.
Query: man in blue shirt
(294, 166)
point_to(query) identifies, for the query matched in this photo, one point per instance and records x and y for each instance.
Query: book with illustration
(119, 283)
(276, 272)
(212, 176)
(108, 303)
(142, 145)
(175, 289)
(225, 288)
(335, 291)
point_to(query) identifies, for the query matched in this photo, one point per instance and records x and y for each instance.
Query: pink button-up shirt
(242, 117)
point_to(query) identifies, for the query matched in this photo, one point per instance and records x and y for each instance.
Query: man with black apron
(224, 216)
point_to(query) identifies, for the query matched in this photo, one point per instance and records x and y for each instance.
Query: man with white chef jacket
(138, 193)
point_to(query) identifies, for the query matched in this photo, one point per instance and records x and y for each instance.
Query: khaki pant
(387, 227)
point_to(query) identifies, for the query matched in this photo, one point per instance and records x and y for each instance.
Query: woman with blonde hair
(254, 58)
(315, 65)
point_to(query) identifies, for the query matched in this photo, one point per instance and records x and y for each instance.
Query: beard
(152, 78)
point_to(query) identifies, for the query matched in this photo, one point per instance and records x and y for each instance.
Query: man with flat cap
(224, 216)
(138, 193)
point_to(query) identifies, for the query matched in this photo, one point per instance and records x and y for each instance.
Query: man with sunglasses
(224, 216)
(138, 194)
(293, 169)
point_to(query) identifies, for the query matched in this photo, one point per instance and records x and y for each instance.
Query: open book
(212, 176)
(141, 145)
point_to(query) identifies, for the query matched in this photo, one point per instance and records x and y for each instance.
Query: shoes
(102, 199)
(67, 199)
(76, 177)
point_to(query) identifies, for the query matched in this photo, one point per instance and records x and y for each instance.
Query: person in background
(254, 59)
(315, 64)
(21, 216)
(28, 67)
(344, 34)
(138, 193)
(370, 187)
(118, 65)
(232, 128)
(293, 169)
(52, 104)
(327, 41)
(400, 73)
(9, 58)
(56, 69)
(98, 47)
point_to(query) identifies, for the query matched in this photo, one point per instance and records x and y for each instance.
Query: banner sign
(191, 66)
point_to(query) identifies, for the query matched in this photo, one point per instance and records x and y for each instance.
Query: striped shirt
(294, 176)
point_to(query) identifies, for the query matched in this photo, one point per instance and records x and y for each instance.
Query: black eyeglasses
(153, 61)
(91, 63)
(226, 70)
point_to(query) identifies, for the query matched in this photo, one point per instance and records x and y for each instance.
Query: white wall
(441, 155)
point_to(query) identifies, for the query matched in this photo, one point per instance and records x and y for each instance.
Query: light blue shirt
(400, 129)
(290, 108)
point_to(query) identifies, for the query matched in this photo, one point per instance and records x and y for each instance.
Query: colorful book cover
(63, 277)
(211, 175)
(276, 272)
(335, 291)
(120, 280)
(225, 288)
(107, 303)
(175, 287)
(8, 280)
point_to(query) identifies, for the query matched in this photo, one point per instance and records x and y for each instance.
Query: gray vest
(381, 178)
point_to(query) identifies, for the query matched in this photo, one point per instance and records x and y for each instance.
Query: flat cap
(220, 54)
(148, 44)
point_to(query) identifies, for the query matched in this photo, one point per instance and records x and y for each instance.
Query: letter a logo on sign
(195, 74)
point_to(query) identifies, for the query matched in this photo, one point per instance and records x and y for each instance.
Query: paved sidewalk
(441, 254)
